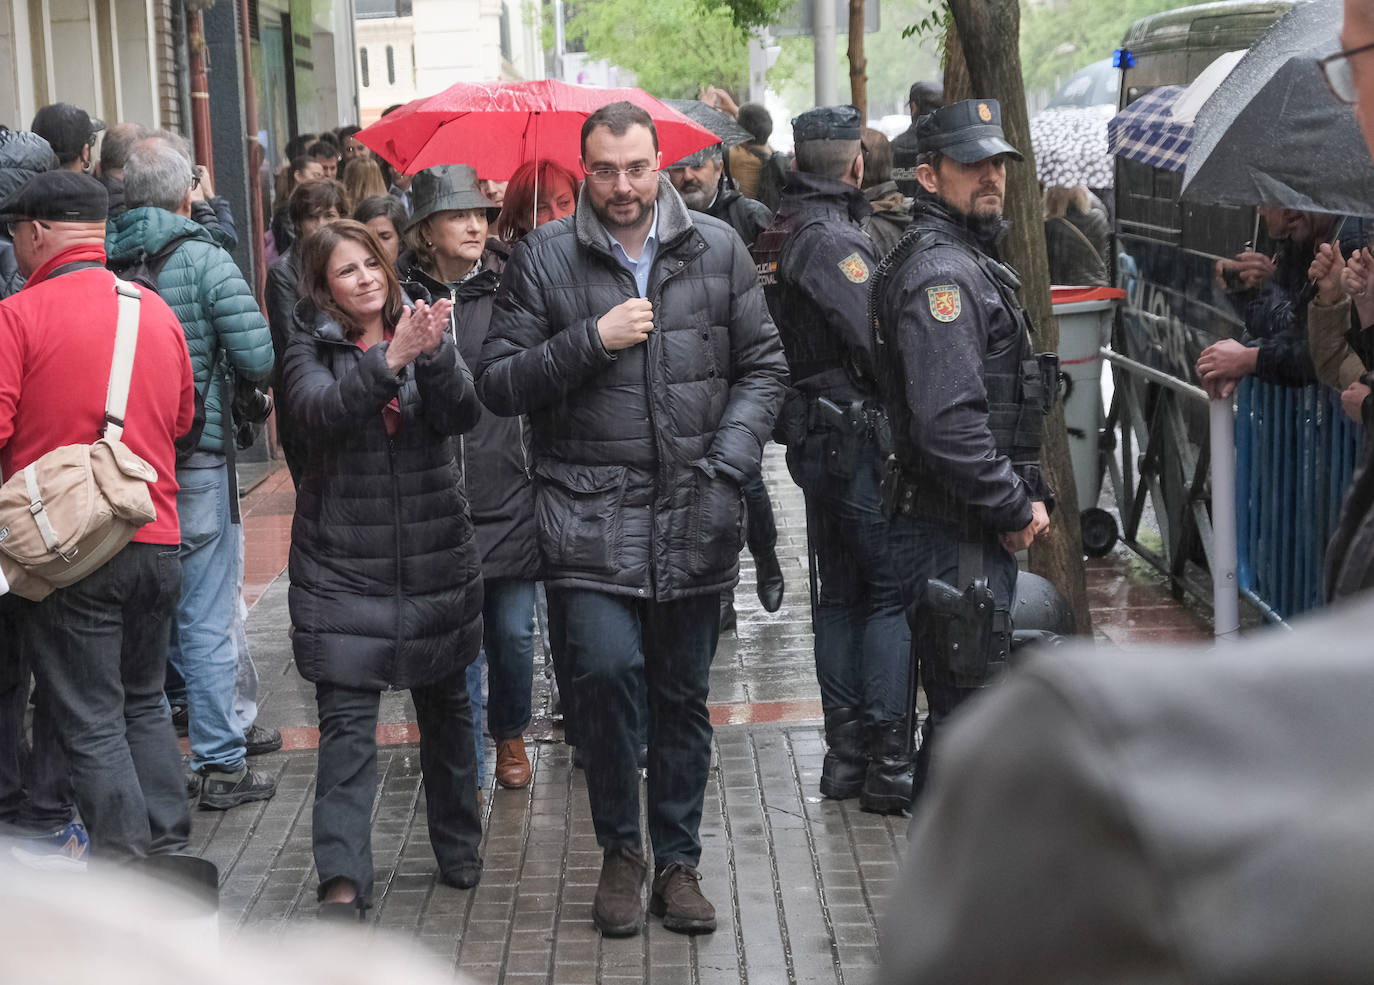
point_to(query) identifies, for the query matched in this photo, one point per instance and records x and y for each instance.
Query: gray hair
(156, 174)
(117, 142)
(827, 158)
(178, 142)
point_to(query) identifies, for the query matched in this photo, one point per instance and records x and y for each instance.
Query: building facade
(412, 48)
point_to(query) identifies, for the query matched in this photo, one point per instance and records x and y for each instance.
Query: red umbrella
(496, 126)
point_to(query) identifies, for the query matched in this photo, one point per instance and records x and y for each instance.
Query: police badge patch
(854, 268)
(945, 304)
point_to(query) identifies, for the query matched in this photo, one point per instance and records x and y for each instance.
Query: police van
(1176, 295)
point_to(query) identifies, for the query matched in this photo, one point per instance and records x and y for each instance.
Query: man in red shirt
(99, 646)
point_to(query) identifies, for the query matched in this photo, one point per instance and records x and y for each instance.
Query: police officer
(966, 395)
(925, 97)
(815, 262)
(700, 180)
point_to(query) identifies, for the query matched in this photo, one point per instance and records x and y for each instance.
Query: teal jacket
(224, 325)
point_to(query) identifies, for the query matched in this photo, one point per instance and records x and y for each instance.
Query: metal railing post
(1225, 589)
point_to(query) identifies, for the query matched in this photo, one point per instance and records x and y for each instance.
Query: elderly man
(98, 647)
(635, 336)
(225, 330)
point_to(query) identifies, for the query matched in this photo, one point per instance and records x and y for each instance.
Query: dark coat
(747, 216)
(386, 589)
(22, 155)
(639, 455)
(947, 327)
(495, 454)
(890, 218)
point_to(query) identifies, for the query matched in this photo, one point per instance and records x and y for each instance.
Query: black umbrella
(1274, 134)
(723, 125)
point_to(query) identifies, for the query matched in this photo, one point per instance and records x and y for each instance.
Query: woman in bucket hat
(454, 259)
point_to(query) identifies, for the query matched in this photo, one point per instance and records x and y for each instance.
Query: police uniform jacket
(639, 454)
(747, 216)
(947, 329)
(815, 262)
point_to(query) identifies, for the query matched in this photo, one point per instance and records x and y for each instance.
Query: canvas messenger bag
(77, 506)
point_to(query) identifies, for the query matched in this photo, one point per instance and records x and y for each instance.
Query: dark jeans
(863, 641)
(925, 549)
(35, 790)
(99, 649)
(615, 646)
(508, 639)
(762, 535)
(342, 832)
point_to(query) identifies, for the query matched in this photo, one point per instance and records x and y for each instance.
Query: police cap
(969, 131)
(828, 123)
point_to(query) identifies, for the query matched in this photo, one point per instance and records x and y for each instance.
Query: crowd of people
(494, 390)
(499, 392)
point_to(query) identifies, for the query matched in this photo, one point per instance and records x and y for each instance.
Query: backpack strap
(122, 366)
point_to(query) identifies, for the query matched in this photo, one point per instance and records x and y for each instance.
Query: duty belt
(904, 495)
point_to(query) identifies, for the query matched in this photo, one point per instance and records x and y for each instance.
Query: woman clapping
(385, 584)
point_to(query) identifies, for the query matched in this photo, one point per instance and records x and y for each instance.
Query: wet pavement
(799, 882)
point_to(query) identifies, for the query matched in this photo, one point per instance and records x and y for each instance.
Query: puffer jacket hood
(639, 454)
(22, 155)
(224, 326)
(386, 589)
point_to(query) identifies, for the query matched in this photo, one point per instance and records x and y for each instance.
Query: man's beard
(642, 211)
(698, 198)
(985, 223)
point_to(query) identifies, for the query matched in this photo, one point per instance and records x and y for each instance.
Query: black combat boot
(842, 774)
(887, 784)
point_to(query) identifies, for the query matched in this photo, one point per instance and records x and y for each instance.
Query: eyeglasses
(609, 176)
(1337, 73)
(11, 224)
(195, 180)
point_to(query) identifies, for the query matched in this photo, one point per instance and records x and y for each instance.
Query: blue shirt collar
(639, 269)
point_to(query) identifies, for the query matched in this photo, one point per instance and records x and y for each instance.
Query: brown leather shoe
(678, 900)
(618, 910)
(512, 765)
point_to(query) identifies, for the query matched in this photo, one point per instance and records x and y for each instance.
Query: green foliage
(750, 15)
(1058, 39)
(896, 57)
(673, 47)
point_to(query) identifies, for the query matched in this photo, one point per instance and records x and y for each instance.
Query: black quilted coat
(495, 454)
(639, 455)
(386, 589)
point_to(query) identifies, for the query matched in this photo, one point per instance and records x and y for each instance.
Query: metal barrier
(1215, 459)
(1295, 452)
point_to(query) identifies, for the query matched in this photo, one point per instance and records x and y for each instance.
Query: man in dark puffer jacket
(636, 337)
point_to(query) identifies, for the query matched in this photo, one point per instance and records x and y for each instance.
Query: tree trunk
(858, 63)
(986, 39)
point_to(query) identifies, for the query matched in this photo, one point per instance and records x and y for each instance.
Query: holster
(844, 429)
(965, 639)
